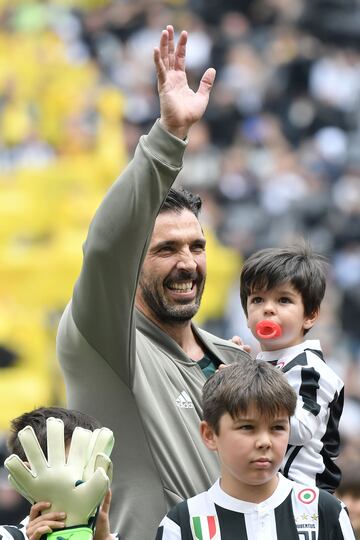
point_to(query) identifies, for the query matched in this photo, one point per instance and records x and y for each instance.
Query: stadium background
(275, 158)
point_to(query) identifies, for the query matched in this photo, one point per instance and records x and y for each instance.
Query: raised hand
(179, 105)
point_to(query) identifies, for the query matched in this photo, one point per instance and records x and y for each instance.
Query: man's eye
(198, 248)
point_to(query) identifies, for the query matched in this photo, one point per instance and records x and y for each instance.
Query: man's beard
(171, 312)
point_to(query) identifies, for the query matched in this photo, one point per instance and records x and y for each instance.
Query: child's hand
(238, 341)
(102, 529)
(43, 524)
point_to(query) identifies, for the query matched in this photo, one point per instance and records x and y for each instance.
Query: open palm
(180, 106)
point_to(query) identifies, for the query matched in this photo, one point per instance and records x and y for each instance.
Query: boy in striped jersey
(38, 525)
(247, 409)
(281, 291)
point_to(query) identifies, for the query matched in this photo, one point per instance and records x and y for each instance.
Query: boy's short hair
(298, 264)
(247, 383)
(37, 420)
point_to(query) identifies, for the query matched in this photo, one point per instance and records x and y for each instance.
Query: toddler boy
(281, 291)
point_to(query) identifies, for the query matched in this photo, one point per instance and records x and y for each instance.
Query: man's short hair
(247, 383)
(178, 200)
(37, 420)
(298, 265)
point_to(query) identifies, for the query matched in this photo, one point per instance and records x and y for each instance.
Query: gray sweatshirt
(123, 369)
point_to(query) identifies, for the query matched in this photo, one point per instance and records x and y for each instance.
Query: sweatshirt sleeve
(103, 300)
(313, 383)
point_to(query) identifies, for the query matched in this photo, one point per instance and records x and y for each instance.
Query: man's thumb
(207, 81)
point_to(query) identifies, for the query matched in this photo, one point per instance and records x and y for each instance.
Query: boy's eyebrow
(284, 419)
(289, 291)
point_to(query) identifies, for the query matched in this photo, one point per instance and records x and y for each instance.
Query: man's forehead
(176, 224)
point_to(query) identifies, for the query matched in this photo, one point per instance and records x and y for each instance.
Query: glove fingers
(78, 452)
(20, 476)
(92, 492)
(20, 489)
(102, 441)
(32, 449)
(18, 470)
(105, 463)
(55, 442)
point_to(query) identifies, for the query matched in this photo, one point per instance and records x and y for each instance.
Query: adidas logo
(184, 401)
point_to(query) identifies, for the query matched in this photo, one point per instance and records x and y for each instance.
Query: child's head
(246, 409)
(37, 420)
(286, 284)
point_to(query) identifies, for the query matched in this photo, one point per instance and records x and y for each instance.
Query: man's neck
(182, 333)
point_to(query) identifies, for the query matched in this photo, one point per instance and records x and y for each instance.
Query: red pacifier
(268, 329)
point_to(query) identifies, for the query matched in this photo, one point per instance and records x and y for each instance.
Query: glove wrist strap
(75, 533)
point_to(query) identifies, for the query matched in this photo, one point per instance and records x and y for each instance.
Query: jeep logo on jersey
(184, 401)
(205, 528)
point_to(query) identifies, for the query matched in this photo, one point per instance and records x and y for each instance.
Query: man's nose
(186, 261)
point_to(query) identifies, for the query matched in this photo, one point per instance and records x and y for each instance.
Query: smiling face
(250, 449)
(173, 275)
(282, 304)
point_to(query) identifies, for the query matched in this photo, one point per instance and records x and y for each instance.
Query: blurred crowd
(275, 159)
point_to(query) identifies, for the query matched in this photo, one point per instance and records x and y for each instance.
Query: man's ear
(208, 436)
(309, 320)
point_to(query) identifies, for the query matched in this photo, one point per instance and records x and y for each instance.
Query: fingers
(20, 488)
(20, 476)
(166, 57)
(180, 54)
(171, 47)
(164, 48)
(159, 66)
(55, 441)
(37, 508)
(78, 452)
(38, 533)
(103, 461)
(161, 55)
(102, 442)
(40, 524)
(238, 341)
(92, 492)
(105, 507)
(222, 366)
(37, 530)
(207, 81)
(32, 449)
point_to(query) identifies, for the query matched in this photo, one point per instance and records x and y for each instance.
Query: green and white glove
(75, 485)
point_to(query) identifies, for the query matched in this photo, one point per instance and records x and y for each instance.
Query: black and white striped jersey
(293, 512)
(13, 532)
(314, 436)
